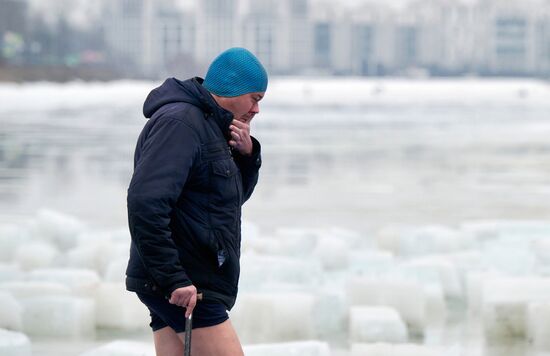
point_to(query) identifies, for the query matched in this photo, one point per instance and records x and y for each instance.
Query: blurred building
(147, 35)
(542, 43)
(216, 28)
(279, 32)
(426, 37)
(438, 36)
(259, 32)
(507, 37)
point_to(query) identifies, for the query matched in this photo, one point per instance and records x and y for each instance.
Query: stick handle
(188, 328)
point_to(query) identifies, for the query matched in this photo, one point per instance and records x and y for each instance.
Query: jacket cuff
(254, 160)
(178, 285)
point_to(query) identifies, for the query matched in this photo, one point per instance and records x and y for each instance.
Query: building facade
(435, 37)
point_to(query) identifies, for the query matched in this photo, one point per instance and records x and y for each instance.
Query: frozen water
(509, 259)
(388, 237)
(47, 96)
(467, 261)
(384, 349)
(376, 324)
(116, 270)
(370, 262)
(122, 348)
(82, 257)
(538, 327)
(10, 312)
(298, 241)
(430, 240)
(504, 319)
(30, 289)
(81, 281)
(249, 230)
(333, 253)
(35, 255)
(436, 306)
(14, 343)
(407, 297)
(331, 313)
(520, 231)
(60, 229)
(274, 317)
(257, 270)
(10, 272)
(398, 91)
(264, 246)
(358, 153)
(59, 317)
(475, 285)
(438, 270)
(505, 305)
(298, 348)
(97, 255)
(353, 239)
(11, 237)
(120, 309)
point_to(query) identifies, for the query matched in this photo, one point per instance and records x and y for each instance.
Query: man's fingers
(239, 131)
(240, 127)
(236, 136)
(240, 124)
(190, 306)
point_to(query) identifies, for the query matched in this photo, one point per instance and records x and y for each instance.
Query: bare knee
(167, 342)
(217, 340)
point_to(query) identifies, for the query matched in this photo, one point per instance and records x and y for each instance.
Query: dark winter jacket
(185, 196)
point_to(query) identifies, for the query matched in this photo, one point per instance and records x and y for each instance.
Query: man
(195, 164)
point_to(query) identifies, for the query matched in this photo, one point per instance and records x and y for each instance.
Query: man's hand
(185, 297)
(240, 137)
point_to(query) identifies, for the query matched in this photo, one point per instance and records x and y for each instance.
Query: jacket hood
(173, 91)
(189, 91)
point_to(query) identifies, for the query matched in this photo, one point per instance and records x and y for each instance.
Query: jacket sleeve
(249, 167)
(161, 170)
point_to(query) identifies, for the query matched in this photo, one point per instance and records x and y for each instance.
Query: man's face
(244, 107)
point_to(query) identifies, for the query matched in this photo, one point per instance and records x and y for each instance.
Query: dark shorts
(164, 314)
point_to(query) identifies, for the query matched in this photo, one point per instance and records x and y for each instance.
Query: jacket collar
(212, 109)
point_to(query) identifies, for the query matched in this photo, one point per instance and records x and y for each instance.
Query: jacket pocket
(225, 192)
(225, 168)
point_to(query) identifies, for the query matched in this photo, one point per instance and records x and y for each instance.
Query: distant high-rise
(147, 35)
(296, 31)
(507, 37)
(216, 28)
(438, 37)
(542, 44)
(260, 32)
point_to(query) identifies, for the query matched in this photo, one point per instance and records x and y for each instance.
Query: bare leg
(217, 340)
(167, 342)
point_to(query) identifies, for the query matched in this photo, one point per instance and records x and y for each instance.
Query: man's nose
(255, 108)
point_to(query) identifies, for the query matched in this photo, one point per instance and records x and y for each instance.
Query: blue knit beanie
(235, 72)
